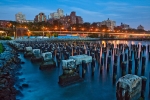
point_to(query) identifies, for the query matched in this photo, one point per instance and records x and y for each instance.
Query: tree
(103, 27)
(93, 35)
(86, 26)
(118, 29)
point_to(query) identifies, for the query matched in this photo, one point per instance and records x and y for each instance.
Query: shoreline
(11, 84)
(81, 39)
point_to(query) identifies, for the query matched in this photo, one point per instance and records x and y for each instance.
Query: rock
(18, 73)
(7, 98)
(6, 91)
(13, 90)
(7, 74)
(19, 93)
(3, 81)
(22, 79)
(20, 87)
(22, 62)
(13, 97)
(25, 85)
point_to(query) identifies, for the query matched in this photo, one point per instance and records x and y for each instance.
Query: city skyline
(129, 12)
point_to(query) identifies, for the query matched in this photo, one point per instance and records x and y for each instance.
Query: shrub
(93, 36)
(5, 38)
(1, 48)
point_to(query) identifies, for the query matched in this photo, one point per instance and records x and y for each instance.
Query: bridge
(87, 32)
(19, 32)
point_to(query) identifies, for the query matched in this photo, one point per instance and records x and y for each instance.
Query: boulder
(25, 85)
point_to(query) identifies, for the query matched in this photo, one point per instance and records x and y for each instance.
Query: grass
(1, 48)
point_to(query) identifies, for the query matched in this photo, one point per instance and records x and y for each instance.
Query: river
(43, 85)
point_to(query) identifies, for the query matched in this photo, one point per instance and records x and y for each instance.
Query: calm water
(43, 85)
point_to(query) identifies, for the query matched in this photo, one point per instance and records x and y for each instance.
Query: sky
(131, 12)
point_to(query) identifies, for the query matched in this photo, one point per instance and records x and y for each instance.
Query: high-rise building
(109, 23)
(140, 27)
(60, 12)
(79, 20)
(41, 17)
(67, 20)
(20, 17)
(73, 17)
(57, 15)
(124, 26)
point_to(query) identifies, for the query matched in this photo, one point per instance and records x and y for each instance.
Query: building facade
(79, 20)
(73, 17)
(109, 23)
(41, 17)
(5, 23)
(140, 27)
(57, 15)
(20, 17)
(68, 20)
(125, 26)
(29, 21)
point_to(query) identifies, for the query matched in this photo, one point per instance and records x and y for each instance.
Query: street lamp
(14, 27)
(71, 31)
(61, 29)
(29, 33)
(74, 28)
(43, 32)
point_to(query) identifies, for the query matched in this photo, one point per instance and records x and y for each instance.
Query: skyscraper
(109, 23)
(140, 27)
(20, 17)
(73, 17)
(57, 15)
(41, 17)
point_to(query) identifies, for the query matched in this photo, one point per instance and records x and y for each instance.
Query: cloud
(115, 15)
(142, 7)
(29, 11)
(111, 4)
(84, 11)
(11, 0)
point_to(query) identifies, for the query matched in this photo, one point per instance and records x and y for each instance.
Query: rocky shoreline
(9, 70)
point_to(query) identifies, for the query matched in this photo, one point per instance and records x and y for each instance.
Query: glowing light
(117, 42)
(74, 28)
(104, 42)
(103, 30)
(96, 29)
(132, 42)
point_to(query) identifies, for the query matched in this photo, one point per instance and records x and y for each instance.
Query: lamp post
(60, 29)
(14, 31)
(71, 31)
(29, 33)
(43, 32)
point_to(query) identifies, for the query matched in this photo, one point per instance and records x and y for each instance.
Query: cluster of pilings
(121, 58)
(118, 56)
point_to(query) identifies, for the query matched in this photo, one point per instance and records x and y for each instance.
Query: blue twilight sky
(132, 12)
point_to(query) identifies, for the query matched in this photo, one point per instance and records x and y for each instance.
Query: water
(43, 85)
